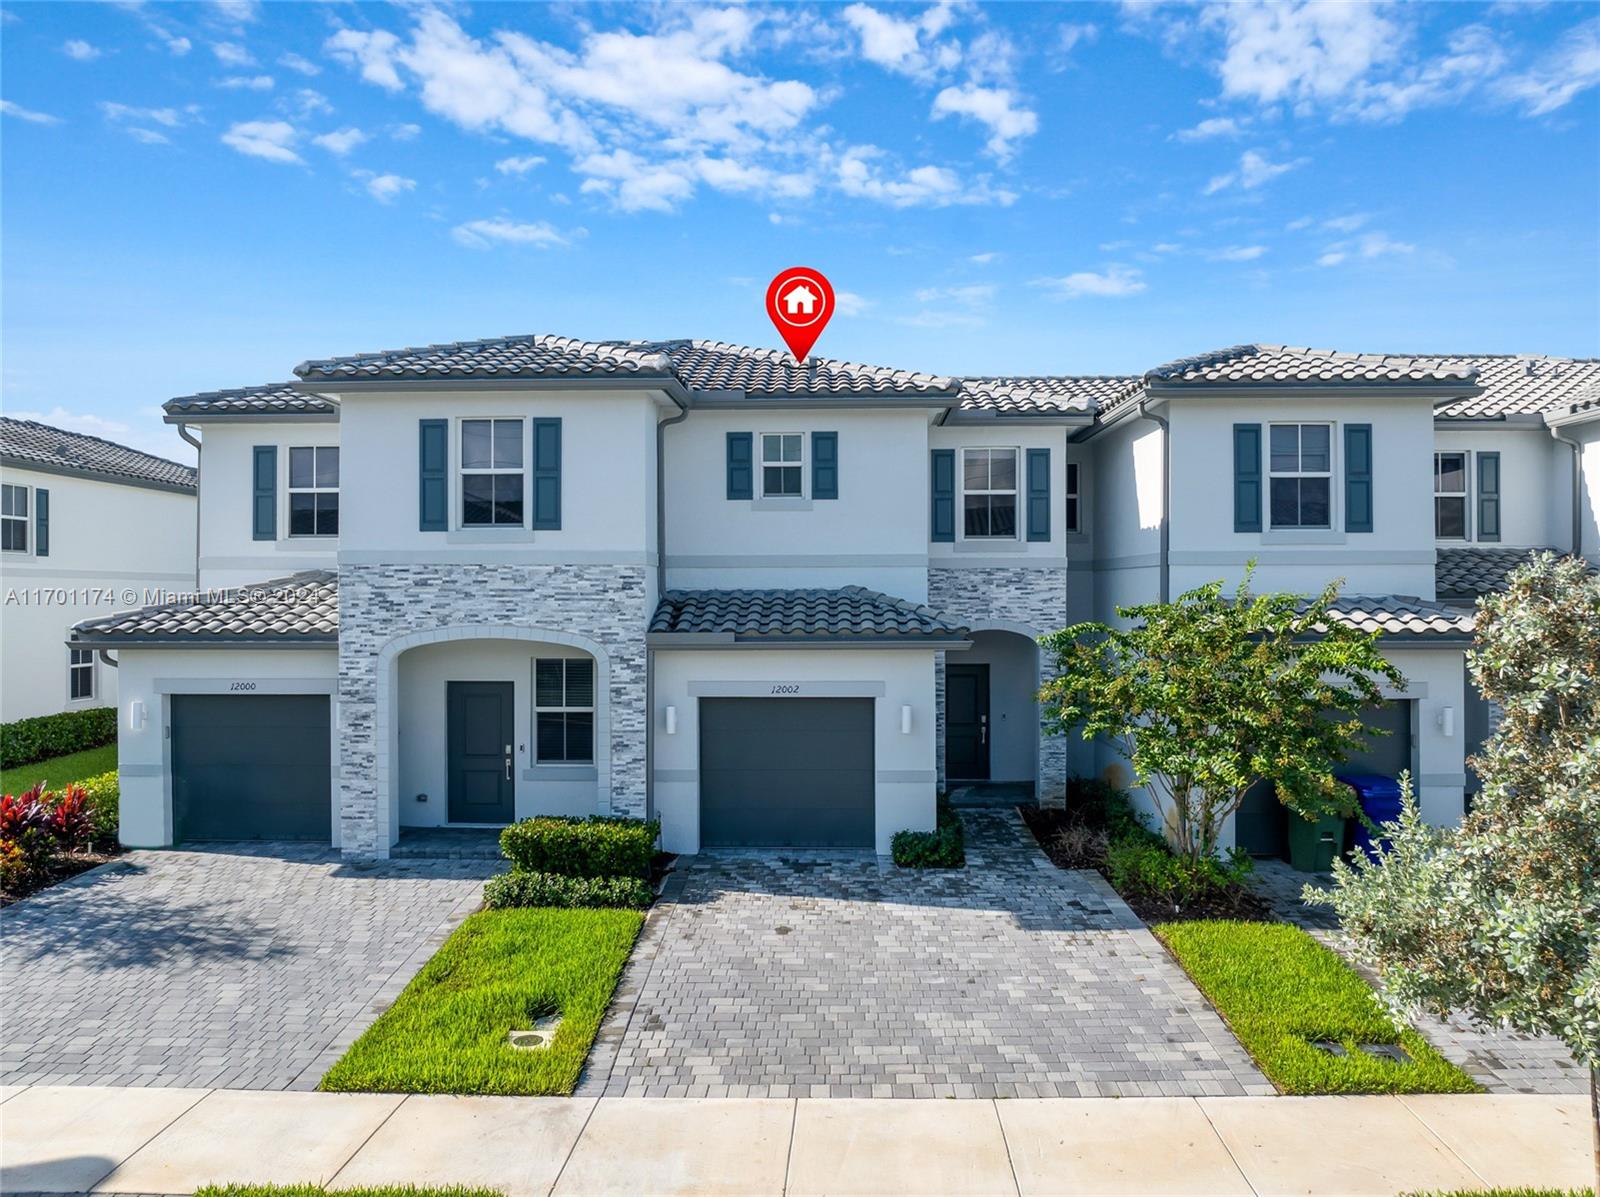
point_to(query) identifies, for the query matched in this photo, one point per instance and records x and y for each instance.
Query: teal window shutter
(944, 494)
(433, 475)
(1488, 496)
(41, 522)
(547, 474)
(741, 465)
(1247, 477)
(824, 465)
(1038, 494)
(1358, 477)
(264, 504)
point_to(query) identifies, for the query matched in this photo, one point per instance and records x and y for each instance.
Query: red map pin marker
(800, 304)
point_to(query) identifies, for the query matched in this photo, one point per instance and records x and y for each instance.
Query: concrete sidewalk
(80, 1139)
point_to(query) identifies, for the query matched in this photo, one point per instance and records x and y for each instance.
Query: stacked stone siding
(1030, 601)
(381, 603)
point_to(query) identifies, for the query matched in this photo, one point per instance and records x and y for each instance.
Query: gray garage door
(251, 767)
(786, 772)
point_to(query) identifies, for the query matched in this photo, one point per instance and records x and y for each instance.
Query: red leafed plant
(71, 819)
(24, 812)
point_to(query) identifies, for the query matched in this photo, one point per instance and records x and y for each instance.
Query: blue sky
(202, 195)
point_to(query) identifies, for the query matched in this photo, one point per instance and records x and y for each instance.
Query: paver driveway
(837, 975)
(246, 967)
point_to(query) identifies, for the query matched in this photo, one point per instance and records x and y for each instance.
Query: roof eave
(11, 462)
(308, 640)
(1078, 418)
(727, 640)
(667, 384)
(1157, 389)
(1570, 416)
(251, 417)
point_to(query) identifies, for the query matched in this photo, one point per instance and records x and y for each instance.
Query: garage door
(786, 772)
(251, 767)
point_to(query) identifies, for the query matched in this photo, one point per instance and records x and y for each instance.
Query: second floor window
(14, 518)
(491, 473)
(1450, 496)
(989, 494)
(314, 491)
(782, 465)
(1301, 483)
(80, 673)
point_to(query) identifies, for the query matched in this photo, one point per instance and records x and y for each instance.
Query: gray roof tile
(531, 356)
(719, 366)
(27, 442)
(1042, 394)
(1402, 615)
(849, 611)
(278, 398)
(302, 607)
(1290, 364)
(1468, 572)
(1525, 384)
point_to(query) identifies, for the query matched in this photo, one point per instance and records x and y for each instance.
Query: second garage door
(251, 767)
(786, 772)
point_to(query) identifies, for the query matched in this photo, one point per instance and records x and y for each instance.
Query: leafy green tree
(1500, 917)
(1210, 694)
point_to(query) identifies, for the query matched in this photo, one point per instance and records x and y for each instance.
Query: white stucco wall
(1013, 662)
(1587, 435)
(112, 548)
(904, 763)
(1535, 484)
(1126, 515)
(151, 676)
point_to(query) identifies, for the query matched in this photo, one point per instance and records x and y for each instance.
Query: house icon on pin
(800, 300)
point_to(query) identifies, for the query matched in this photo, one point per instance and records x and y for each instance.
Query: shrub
(592, 847)
(1081, 846)
(45, 736)
(71, 817)
(521, 888)
(943, 848)
(1100, 806)
(28, 842)
(104, 795)
(1139, 868)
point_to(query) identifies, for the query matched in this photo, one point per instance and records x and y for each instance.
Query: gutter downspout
(1166, 497)
(183, 431)
(105, 655)
(661, 588)
(1577, 490)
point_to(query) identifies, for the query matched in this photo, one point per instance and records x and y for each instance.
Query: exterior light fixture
(1447, 722)
(905, 720)
(136, 715)
(672, 721)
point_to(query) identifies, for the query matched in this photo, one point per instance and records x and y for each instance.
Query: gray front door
(966, 722)
(251, 767)
(786, 772)
(481, 720)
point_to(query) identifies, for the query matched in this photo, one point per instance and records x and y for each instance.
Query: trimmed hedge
(45, 736)
(594, 847)
(105, 794)
(944, 848)
(521, 888)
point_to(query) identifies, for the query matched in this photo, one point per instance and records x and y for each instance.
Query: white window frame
(1464, 494)
(1015, 491)
(1333, 513)
(74, 665)
(25, 519)
(564, 709)
(462, 470)
(1072, 498)
(290, 490)
(798, 464)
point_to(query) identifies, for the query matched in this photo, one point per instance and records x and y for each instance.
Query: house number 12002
(786, 688)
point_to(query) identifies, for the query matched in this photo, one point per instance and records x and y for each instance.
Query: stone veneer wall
(380, 603)
(1014, 599)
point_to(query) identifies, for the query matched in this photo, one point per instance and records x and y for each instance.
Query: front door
(480, 742)
(966, 722)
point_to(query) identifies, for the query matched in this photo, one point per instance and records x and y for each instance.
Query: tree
(1499, 917)
(1208, 695)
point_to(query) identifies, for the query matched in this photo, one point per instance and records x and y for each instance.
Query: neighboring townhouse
(781, 604)
(87, 527)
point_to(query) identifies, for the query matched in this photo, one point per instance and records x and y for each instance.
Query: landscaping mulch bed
(68, 864)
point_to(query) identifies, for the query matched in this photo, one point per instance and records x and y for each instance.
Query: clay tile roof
(278, 398)
(1526, 384)
(1465, 573)
(25, 443)
(1046, 394)
(1402, 615)
(533, 356)
(300, 608)
(846, 612)
(719, 366)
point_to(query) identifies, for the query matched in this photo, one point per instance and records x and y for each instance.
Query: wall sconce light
(672, 721)
(1447, 722)
(136, 715)
(905, 720)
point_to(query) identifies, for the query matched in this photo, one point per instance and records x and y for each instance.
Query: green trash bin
(1313, 844)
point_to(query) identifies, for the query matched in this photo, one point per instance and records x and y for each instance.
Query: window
(1301, 468)
(80, 673)
(782, 465)
(491, 473)
(563, 701)
(314, 491)
(14, 519)
(1072, 497)
(1450, 496)
(989, 493)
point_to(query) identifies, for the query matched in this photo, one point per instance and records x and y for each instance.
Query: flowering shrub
(38, 825)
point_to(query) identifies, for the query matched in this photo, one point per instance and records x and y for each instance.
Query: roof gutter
(1166, 497)
(199, 458)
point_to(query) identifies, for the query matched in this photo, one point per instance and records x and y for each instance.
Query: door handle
(983, 729)
(508, 762)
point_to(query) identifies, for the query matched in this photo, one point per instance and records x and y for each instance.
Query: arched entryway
(991, 727)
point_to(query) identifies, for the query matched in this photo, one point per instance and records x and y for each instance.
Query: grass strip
(501, 970)
(59, 771)
(1279, 989)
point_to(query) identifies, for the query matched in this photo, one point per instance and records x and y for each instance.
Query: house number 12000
(786, 688)
(241, 685)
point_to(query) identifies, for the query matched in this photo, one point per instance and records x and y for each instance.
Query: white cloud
(1074, 35)
(1300, 51)
(519, 165)
(232, 54)
(994, 107)
(1253, 170)
(972, 295)
(385, 188)
(1116, 282)
(905, 46)
(1216, 126)
(179, 46)
(247, 82)
(372, 51)
(1365, 247)
(1237, 253)
(1557, 78)
(272, 140)
(306, 102)
(138, 120)
(633, 184)
(340, 141)
(1345, 224)
(299, 64)
(983, 259)
(82, 51)
(148, 136)
(857, 174)
(405, 132)
(482, 234)
(32, 116)
(848, 303)
(237, 12)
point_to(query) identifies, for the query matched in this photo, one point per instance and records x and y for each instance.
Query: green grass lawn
(1279, 989)
(500, 970)
(59, 770)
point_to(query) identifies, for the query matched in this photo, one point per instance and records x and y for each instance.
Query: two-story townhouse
(87, 527)
(768, 603)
